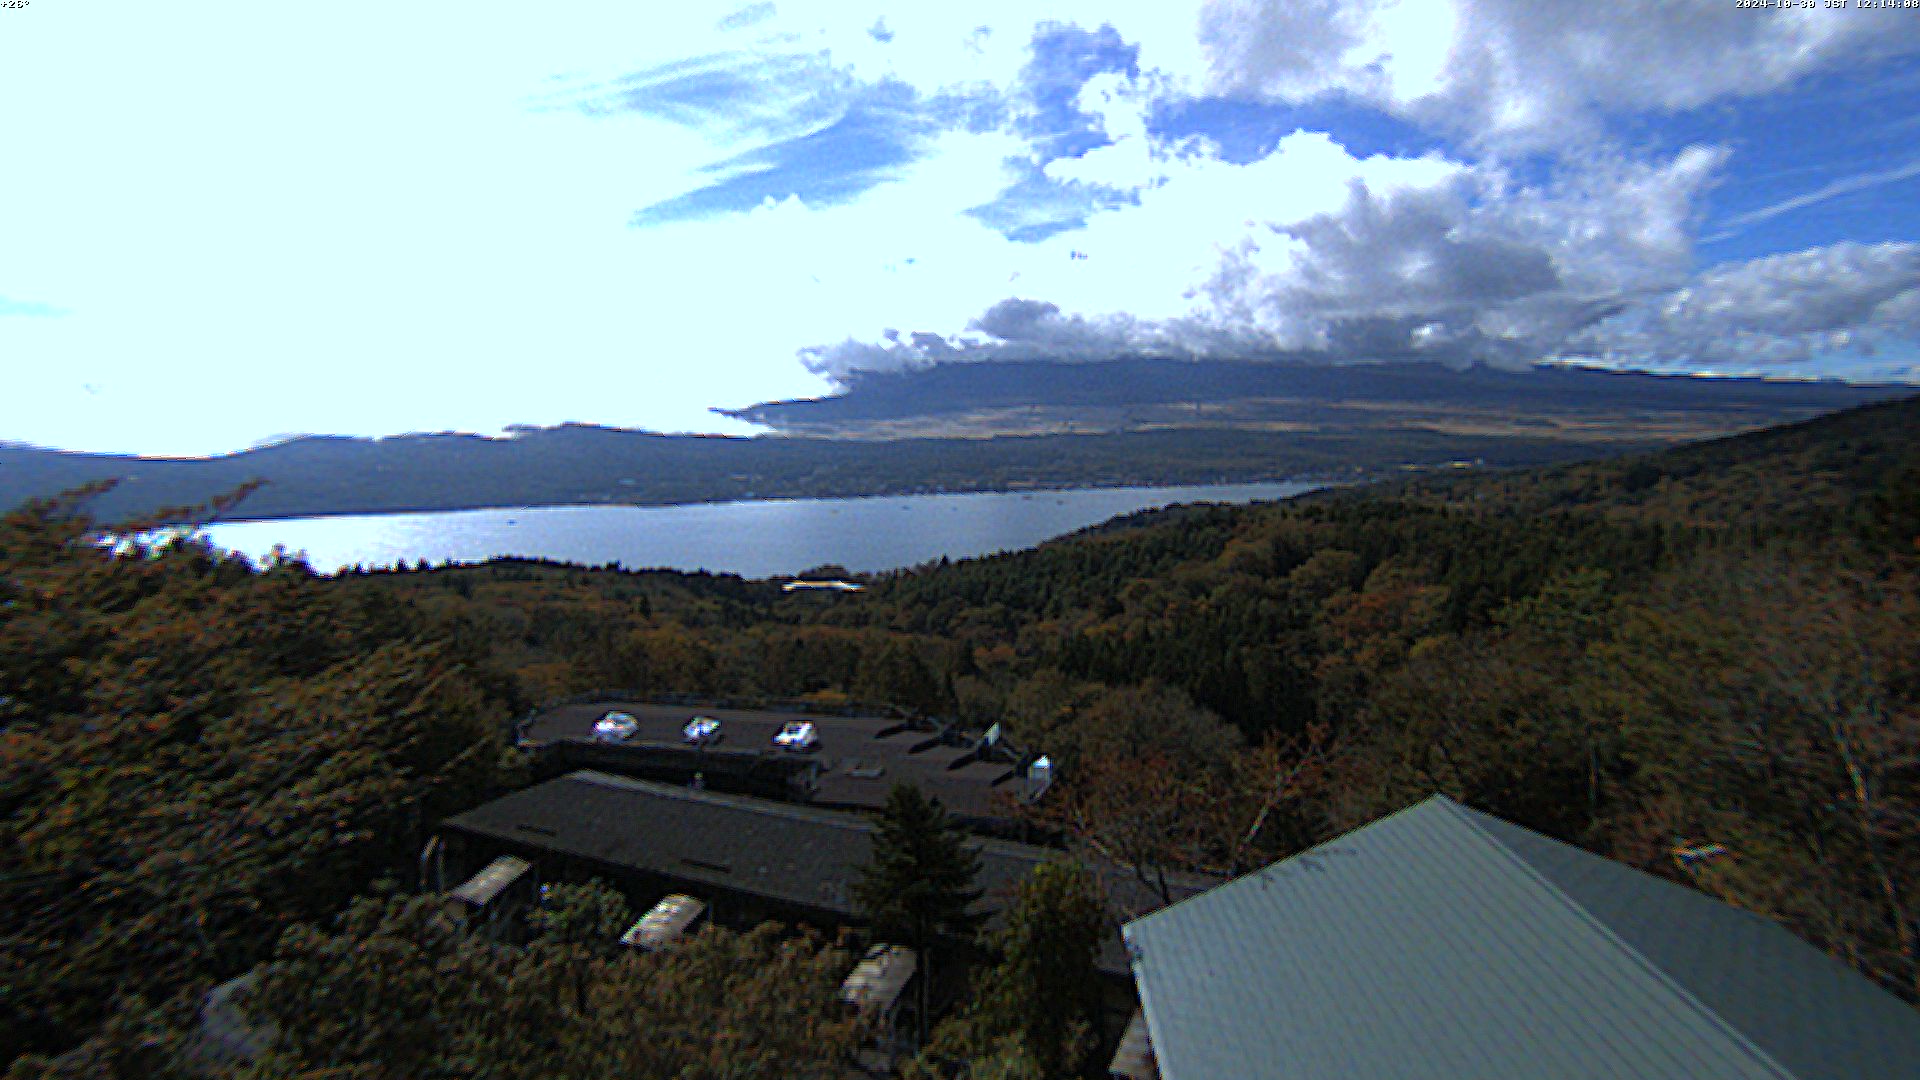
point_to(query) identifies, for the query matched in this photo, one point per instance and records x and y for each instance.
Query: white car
(615, 727)
(701, 730)
(797, 735)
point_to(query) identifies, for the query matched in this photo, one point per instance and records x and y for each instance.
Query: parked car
(701, 730)
(615, 727)
(797, 735)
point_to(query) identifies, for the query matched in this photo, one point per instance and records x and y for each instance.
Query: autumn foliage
(1715, 645)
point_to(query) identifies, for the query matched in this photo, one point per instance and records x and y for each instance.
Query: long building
(749, 859)
(855, 762)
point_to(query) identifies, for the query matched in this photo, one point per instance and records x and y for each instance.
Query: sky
(222, 224)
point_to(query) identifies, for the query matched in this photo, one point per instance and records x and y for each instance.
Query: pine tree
(919, 888)
(581, 924)
(1045, 988)
(1037, 1011)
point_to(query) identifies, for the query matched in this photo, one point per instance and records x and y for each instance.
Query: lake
(759, 538)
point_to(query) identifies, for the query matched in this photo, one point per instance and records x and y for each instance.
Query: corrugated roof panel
(1807, 1010)
(1416, 947)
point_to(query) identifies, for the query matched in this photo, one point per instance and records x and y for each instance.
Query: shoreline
(1317, 482)
(758, 540)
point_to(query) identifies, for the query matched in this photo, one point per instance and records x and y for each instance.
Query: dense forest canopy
(203, 762)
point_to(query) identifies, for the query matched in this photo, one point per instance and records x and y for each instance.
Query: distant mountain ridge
(1284, 391)
(979, 427)
(581, 465)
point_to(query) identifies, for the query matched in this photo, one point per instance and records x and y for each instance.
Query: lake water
(755, 539)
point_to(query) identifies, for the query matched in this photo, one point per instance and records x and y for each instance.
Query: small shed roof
(1133, 1058)
(482, 888)
(877, 980)
(664, 922)
(1440, 941)
(226, 1033)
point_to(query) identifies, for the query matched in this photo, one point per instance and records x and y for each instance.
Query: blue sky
(224, 224)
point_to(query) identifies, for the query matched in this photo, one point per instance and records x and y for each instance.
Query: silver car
(797, 735)
(615, 727)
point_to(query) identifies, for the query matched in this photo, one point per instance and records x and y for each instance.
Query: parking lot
(860, 757)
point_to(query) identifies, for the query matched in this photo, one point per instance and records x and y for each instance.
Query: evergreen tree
(580, 924)
(1036, 1012)
(919, 886)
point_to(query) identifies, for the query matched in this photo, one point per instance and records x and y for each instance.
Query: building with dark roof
(857, 761)
(1442, 942)
(748, 859)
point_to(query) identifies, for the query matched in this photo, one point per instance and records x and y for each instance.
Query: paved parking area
(861, 757)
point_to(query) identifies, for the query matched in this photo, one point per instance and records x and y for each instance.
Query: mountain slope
(579, 465)
(1008, 397)
(1052, 425)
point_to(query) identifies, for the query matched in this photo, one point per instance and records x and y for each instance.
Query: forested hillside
(1710, 645)
(579, 465)
(195, 755)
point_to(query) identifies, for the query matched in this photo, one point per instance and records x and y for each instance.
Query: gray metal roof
(800, 855)
(1441, 942)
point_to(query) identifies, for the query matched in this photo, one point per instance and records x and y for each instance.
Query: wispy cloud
(29, 308)
(1844, 186)
(747, 16)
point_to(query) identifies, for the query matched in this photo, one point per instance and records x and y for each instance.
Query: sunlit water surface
(759, 538)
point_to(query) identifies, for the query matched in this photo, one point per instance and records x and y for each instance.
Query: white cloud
(1130, 280)
(1394, 50)
(1846, 299)
(1362, 258)
(1312, 250)
(1131, 160)
(1467, 266)
(942, 46)
(1515, 75)
(1311, 247)
(257, 220)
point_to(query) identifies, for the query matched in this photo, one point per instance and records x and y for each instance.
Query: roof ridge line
(1466, 814)
(1235, 879)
